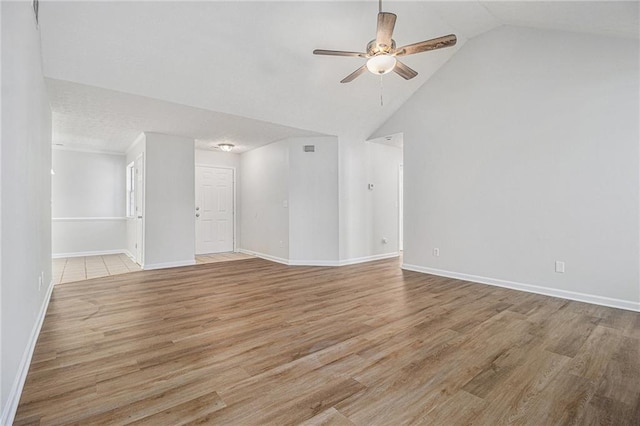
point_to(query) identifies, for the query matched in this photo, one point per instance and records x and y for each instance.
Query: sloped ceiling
(91, 118)
(253, 59)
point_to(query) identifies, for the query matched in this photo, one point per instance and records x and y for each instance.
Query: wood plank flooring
(254, 342)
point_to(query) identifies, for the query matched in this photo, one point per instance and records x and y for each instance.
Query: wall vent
(309, 148)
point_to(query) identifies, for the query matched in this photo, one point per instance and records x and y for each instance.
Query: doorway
(215, 210)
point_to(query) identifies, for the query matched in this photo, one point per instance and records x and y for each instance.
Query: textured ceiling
(87, 117)
(253, 60)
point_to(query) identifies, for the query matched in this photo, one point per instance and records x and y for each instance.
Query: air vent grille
(309, 148)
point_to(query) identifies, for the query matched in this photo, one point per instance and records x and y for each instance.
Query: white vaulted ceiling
(253, 60)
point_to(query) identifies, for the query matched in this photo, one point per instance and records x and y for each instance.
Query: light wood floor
(255, 342)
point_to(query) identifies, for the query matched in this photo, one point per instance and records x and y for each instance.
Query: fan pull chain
(381, 89)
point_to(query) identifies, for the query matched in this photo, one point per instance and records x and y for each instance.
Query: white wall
(169, 201)
(88, 237)
(313, 200)
(523, 150)
(366, 217)
(217, 158)
(264, 195)
(87, 202)
(290, 201)
(383, 168)
(87, 184)
(354, 214)
(25, 199)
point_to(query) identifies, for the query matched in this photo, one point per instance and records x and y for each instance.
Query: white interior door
(139, 199)
(214, 210)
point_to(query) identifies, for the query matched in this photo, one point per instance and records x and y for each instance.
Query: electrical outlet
(436, 252)
(559, 267)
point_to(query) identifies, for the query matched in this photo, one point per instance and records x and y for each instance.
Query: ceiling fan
(382, 54)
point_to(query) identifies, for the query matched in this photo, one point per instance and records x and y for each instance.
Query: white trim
(345, 262)
(401, 205)
(89, 219)
(86, 150)
(314, 263)
(129, 255)
(265, 256)
(141, 159)
(11, 406)
(364, 259)
(148, 267)
(530, 288)
(213, 166)
(89, 253)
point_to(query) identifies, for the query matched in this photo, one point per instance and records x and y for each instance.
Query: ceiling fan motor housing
(374, 49)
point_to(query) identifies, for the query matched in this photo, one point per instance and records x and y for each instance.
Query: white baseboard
(294, 262)
(89, 253)
(265, 256)
(364, 259)
(88, 219)
(314, 263)
(149, 267)
(129, 255)
(11, 406)
(530, 288)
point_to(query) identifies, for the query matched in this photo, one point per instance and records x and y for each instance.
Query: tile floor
(71, 269)
(84, 268)
(221, 257)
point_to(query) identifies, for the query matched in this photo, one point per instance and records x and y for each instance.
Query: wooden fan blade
(339, 53)
(354, 74)
(386, 23)
(423, 46)
(404, 71)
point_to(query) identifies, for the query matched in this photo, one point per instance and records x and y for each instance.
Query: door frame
(141, 193)
(235, 209)
(401, 208)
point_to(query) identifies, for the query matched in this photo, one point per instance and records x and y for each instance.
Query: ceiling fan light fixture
(381, 52)
(226, 147)
(381, 64)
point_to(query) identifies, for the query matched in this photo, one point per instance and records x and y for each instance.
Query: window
(131, 193)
